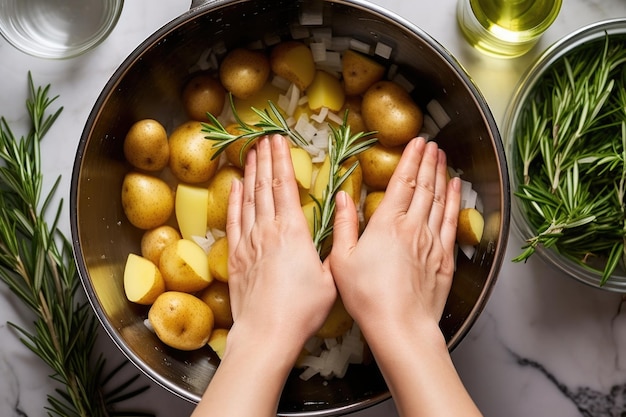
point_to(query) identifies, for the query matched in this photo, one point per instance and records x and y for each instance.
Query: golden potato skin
(155, 240)
(219, 190)
(378, 164)
(217, 297)
(389, 109)
(191, 153)
(146, 146)
(203, 94)
(243, 72)
(293, 61)
(337, 323)
(147, 201)
(372, 201)
(181, 320)
(359, 72)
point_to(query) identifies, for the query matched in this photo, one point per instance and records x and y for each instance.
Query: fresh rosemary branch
(37, 264)
(571, 154)
(342, 145)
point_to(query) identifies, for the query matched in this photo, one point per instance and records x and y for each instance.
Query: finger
(285, 188)
(233, 216)
(451, 214)
(248, 210)
(263, 193)
(424, 194)
(345, 228)
(402, 184)
(439, 201)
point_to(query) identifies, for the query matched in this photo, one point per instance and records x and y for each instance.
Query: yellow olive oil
(505, 28)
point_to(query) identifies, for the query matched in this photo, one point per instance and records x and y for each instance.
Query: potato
(203, 94)
(389, 109)
(355, 118)
(311, 210)
(218, 259)
(217, 341)
(337, 323)
(352, 185)
(302, 166)
(181, 320)
(293, 61)
(217, 297)
(258, 100)
(155, 240)
(148, 201)
(191, 153)
(470, 227)
(371, 203)
(243, 72)
(143, 281)
(359, 72)
(218, 192)
(191, 210)
(378, 164)
(146, 146)
(234, 151)
(185, 267)
(325, 91)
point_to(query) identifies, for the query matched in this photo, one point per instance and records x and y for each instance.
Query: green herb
(342, 145)
(571, 153)
(36, 263)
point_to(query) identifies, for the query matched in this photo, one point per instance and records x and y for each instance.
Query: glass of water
(57, 29)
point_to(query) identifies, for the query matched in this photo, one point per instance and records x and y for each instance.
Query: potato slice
(192, 210)
(143, 281)
(302, 166)
(325, 91)
(218, 259)
(217, 341)
(470, 227)
(293, 61)
(185, 267)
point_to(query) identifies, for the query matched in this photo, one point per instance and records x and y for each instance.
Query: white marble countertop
(545, 345)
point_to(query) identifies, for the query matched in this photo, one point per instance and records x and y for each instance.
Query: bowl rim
(525, 86)
(186, 18)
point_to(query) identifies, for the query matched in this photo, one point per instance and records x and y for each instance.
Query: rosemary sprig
(342, 145)
(37, 264)
(571, 150)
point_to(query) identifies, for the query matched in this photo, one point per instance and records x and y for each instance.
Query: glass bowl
(522, 98)
(58, 29)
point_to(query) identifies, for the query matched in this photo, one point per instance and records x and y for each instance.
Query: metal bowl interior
(148, 84)
(596, 32)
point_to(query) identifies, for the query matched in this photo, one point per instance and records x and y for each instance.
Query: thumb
(346, 226)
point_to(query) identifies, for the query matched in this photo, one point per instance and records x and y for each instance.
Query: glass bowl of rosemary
(565, 138)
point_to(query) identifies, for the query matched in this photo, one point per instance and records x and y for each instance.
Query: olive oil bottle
(505, 28)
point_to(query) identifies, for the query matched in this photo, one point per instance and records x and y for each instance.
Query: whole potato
(181, 320)
(191, 153)
(243, 71)
(155, 240)
(235, 149)
(355, 118)
(359, 72)
(146, 146)
(217, 297)
(219, 190)
(378, 164)
(203, 94)
(148, 201)
(389, 109)
(372, 201)
(218, 259)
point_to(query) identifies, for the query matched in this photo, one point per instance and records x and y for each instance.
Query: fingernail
(455, 182)
(341, 199)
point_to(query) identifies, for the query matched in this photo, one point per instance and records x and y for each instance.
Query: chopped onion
(319, 118)
(403, 82)
(271, 39)
(280, 82)
(382, 50)
(340, 43)
(437, 112)
(360, 46)
(318, 50)
(298, 32)
(333, 117)
(468, 250)
(468, 195)
(313, 16)
(429, 126)
(323, 35)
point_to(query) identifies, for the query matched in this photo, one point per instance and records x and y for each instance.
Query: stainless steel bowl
(148, 84)
(522, 98)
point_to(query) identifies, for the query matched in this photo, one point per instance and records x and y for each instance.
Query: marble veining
(545, 344)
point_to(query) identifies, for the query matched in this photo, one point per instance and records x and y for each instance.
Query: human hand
(401, 267)
(278, 285)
